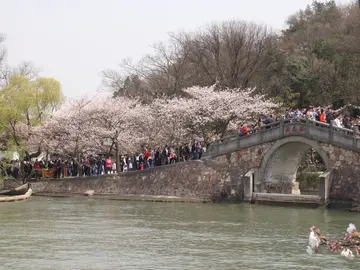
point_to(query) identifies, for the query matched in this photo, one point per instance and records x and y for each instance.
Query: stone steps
(286, 198)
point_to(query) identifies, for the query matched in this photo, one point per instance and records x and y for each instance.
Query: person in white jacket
(337, 122)
(114, 168)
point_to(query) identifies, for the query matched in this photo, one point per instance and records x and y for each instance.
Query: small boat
(16, 197)
(21, 190)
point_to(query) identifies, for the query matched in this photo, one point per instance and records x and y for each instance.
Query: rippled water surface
(49, 233)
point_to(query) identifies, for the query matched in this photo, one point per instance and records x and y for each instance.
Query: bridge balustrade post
(209, 150)
(324, 185)
(355, 132)
(212, 149)
(331, 131)
(217, 149)
(307, 127)
(354, 143)
(261, 132)
(282, 127)
(249, 185)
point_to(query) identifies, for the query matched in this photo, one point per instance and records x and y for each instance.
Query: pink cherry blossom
(101, 124)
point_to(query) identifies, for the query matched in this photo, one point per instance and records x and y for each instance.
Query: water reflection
(47, 233)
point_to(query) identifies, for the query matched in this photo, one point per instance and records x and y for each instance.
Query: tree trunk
(117, 157)
(33, 155)
(223, 126)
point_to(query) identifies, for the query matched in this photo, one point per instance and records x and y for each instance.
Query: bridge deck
(322, 132)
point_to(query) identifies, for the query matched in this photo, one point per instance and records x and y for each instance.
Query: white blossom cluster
(96, 125)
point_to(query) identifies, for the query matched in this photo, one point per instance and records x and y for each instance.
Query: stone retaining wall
(194, 180)
(345, 184)
(219, 179)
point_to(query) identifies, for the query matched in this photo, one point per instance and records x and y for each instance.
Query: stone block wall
(240, 162)
(194, 179)
(345, 164)
(219, 179)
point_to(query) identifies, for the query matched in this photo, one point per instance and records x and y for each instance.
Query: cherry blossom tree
(205, 112)
(116, 122)
(149, 128)
(68, 131)
(92, 126)
(208, 112)
(343, 245)
(170, 118)
(125, 124)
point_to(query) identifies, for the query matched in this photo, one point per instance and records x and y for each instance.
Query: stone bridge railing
(314, 130)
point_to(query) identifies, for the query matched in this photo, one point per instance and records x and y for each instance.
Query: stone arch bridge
(240, 168)
(270, 156)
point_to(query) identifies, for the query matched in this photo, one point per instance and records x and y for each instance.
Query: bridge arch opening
(289, 160)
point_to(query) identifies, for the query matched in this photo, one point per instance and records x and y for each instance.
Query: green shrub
(308, 180)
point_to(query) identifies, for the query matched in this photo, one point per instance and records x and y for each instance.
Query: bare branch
(24, 69)
(2, 51)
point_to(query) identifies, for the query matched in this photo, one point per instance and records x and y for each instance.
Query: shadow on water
(64, 233)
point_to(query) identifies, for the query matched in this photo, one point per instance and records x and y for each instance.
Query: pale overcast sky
(74, 40)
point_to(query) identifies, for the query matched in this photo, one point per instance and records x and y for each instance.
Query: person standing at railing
(347, 122)
(297, 113)
(322, 116)
(244, 131)
(287, 114)
(329, 116)
(309, 114)
(37, 169)
(147, 157)
(199, 150)
(337, 122)
(268, 120)
(113, 168)
(193, 151)
(108, 165)
(312, 114)
(315, 114)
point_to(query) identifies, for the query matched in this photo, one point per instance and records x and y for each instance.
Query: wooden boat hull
(21, 190)
(16, 197)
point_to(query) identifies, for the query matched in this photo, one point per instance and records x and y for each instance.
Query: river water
(65, 233)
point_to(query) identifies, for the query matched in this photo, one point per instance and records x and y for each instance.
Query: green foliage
(308, 181)
(25, 103)
(319, 58)
(3, 171)
(310, 168)
(287, 98)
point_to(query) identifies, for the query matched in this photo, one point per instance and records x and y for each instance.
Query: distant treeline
(314, 61)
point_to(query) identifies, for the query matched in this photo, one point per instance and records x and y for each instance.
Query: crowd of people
(100, 164)
(323, 115)
(327, 115)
